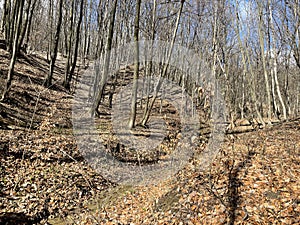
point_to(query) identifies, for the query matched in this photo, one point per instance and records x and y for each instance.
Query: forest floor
(44, 179)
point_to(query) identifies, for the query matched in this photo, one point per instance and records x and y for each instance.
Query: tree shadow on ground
(234, 182)
(35, 61)
(15, 218)
(9, 218)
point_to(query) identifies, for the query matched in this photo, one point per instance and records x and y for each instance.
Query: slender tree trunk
(278, 90)
(19, 13)
(87, 34)
(275, 106)
(30, 21)
(286, 87)
(50, 17)
(106, 59)
(13, 24)
(69, 46)
(150, 65)
(7, 23)
(165, 69)
(295, 36)
(25, 25)
(214, 40)
(262, 50)
(275, 63)
(245, 54)
(99, 42)
(72, 70)
(4, 17)
(48, 79)
(214, 47)
(132, 119)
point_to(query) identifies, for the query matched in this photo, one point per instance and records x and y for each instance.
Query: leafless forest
(241, 57)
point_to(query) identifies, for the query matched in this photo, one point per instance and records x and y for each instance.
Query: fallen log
(240, 129)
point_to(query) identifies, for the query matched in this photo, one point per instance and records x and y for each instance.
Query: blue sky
(244, 8)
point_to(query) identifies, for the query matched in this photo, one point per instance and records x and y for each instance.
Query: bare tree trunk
(106, 59)
(165, 69)
(19, 8)
(50, 17)
(7, 14)
(132, 119)
(150, 65)
(69, 45)
(25, 25)
(99, 42)
(67, 85)
(275, 63)
(278, 90)
(48, 79)
(275, 106)
(262, 50)
(87, 34)
(3, 22)
(214, 40)
(214, 47)
(30, 21)
(12, 24)
(295, 35)
(245, 54)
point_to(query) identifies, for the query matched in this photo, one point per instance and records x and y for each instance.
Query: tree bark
(15, 50)
(69, 45)
(245, 54)
(50, 17)
(150, 65)
(106, 59)
(48, 80)
(25, 25)
(72, 71)
(262, 50)
(13, 24)
(132, 119)
(3, 22)
(7, 22)
(165, 69)
(275, 63)
(30, 21)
